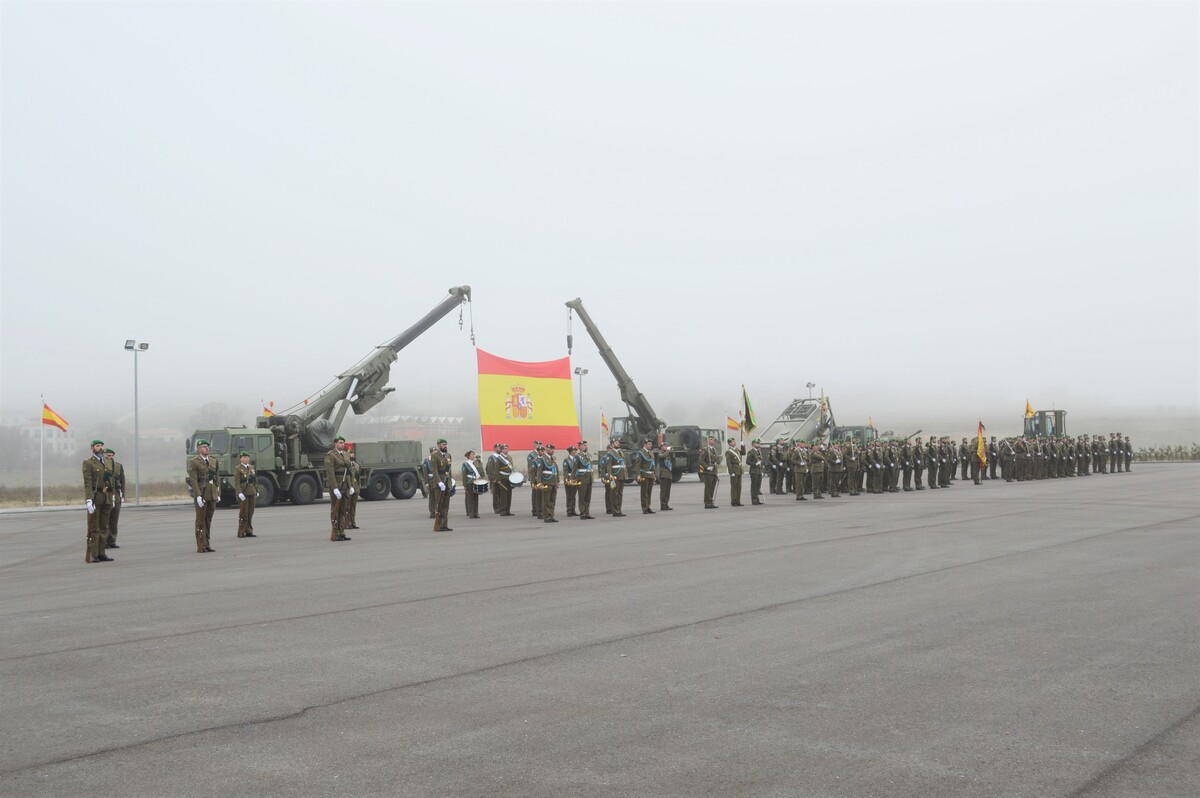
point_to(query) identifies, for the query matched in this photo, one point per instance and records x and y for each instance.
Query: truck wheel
(378, 487)
(304, 489)
(676, 474)
(404, 485)
(266, 491)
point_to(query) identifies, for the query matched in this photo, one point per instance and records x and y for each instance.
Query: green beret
(339, 438)
(97, 443)
(243, 454)
(442, 440)
(200, 442)
(109, 451)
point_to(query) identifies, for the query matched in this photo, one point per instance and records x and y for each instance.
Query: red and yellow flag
(1028, 409)
(53, 419)
(267, 411)
(732, 424)
(604, 423)
(980, 447)
(520, 402)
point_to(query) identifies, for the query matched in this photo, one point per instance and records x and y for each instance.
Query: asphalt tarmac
(1025, 639)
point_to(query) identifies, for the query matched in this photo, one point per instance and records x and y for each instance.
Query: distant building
(30, 428)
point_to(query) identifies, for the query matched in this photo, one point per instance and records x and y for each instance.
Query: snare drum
(480, 485)
(516, 480)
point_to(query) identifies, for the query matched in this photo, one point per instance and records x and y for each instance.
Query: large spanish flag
(520, 403)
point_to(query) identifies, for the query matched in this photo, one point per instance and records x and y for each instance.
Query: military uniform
(206, 488)
(834, 467)
(245, 481)
(355, 493)
(710, 460)
(472, 469)
(568, 474)
(816, 471)
(645, 465)
(531, 466)
(582, 473)
(440, 484)
(504, 470)
(733, 464)
(754, 464)
(492, 466)
(337, 479)
(775, 469)
(798, 463)
(118, 496)
(546, 483)
(98, 496)
(665, 468)
(613, 473)
(425, 472)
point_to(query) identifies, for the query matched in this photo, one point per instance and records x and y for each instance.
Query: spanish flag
(267, 411)
(732, 424)
(53, 419)
(980, 448)
(520, 402)
(603, 423)
(1028, 409)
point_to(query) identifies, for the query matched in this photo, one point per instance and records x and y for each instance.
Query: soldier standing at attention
(775, 461)
(352, 503)
(568, 474)
(425, 471)
(613, 474)
(993, 453)
(754, 464)
(206, 487)
(545, 478)
(798, 463)
(337, 477)
(644, 464)
(733, 464)
(792, 480)
(602, 464)
(918, 461)
(442, 475)
(118, 495)
(664, 466)
(246, 482)
(1128, 452)
(710, 460)
(583, 475)
(906, 458)
(97, 495)
(504, 469)
(492, 466)
(816, 469)
(853, 457)
(472, 470)
(532, 462)
(834, 465)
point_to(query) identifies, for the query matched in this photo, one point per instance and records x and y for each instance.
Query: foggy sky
(925, 208)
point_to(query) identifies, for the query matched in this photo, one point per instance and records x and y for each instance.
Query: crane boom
(647, 420)
(362, 386)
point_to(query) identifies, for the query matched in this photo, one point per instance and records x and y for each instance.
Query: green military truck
(288, 473)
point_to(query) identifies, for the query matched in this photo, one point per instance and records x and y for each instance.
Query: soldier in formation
(733, 466)
(665, 468)
(98, 498)
(570, 489)
(545, 481)
(754, 464)
(581, 473)
(118, 496)
(206, 488)
(337, 477)
(355, 483)
(442, 484)
(472, 470)
(245, 481)
(645, 470)
(710, 459)
(612, 473)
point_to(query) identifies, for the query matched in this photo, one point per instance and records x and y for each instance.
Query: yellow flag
(1028, 409)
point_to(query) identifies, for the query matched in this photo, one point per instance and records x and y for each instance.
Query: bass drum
(516, 480)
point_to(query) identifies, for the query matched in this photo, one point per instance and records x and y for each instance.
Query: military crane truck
(642, 422)
(810, 419)
(288, 450)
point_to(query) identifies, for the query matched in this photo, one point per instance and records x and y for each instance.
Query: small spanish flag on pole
(732, 424)
(267, 411)
(52, 419)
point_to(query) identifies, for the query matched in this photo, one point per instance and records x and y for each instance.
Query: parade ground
(1025, 639)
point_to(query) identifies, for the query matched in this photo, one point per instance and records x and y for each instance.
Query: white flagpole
(42, 460)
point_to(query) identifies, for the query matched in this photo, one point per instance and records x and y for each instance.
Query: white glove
(241, 497)
(352, 491)
(441, 486)
(337, 493)
(91, 506)
(122, 497)
(199, 501)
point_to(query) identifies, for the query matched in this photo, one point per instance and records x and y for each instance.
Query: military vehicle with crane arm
(642, 422)
(288, 450)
